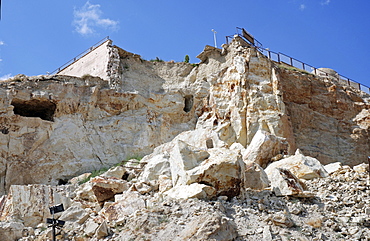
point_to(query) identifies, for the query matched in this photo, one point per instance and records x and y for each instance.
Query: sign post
(55, 222)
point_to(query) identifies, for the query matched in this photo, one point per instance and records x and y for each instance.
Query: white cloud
(5, 77)
(89, 17)
(1, 43)
(302, 7)
(326, 2)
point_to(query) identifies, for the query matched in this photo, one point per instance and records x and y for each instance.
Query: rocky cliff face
(56, 127)
(330, 121)
(233, 149)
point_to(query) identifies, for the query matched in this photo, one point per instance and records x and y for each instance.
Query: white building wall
(94, 63)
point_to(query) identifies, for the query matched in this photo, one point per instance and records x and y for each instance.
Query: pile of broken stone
(198, 188)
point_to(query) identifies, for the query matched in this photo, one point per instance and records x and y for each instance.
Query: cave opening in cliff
(188, 103)
(44, 109)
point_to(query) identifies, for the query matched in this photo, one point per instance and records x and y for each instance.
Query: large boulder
(263, 147)
(125, 204)
(75, 213)
(301, 166)
(222, 170)
(284, 183)
(254, 177)
(185, 157)
(157, 165)
(101, 189)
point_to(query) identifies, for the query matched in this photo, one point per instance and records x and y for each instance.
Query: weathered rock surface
(263, 147)
(30, 204)
(210, 129)
(331, 212)
(303, 167)
(53, 128)
(254, 177)
(284, 182)
(194, 190)
(328, 119)
(10, 231)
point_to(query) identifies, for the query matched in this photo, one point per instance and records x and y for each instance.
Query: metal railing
(84, 53)
(285, 59)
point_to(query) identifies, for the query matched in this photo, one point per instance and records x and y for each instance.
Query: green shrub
(187, 59)
(104, 169)
(156, 60)
(94, 174)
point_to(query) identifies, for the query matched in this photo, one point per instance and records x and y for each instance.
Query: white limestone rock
(10, 231)
(194, 190)
(222, 170)
(102, 231)
(333, 167)
(75, 214)
(125, 204)
(165, 183)
(115, 172)
(254, 177)
(90, 227)
(361, 168)
(284, 182)
(157, 165)
(301, 166)
(209, 227)
(100, 189)
(30, 204)
(263, 147)
(80, 178)
(184, 157)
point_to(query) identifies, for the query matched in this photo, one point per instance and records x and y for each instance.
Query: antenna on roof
(214, 37)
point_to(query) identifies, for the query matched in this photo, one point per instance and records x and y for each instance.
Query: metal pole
(214, 37)
(54, 223)
(368, 159)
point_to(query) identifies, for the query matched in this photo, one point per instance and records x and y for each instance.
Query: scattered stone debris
(338, 209)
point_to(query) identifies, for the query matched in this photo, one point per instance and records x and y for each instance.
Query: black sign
(56, 222)
(56, 209)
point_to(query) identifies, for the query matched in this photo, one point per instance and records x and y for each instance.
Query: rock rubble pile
(140, 201)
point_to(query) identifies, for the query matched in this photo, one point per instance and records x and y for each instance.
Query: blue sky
(39, 36)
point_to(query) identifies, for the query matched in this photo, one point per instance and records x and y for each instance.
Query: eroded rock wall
(91, 125)
(329, 120)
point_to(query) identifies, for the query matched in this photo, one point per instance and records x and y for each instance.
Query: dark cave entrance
(44, 109)
(188, 105)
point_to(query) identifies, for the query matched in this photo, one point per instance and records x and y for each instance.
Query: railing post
(291, 61)
(278, 54)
